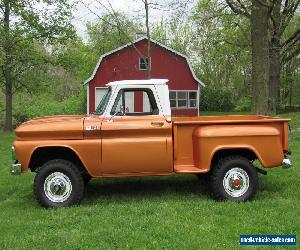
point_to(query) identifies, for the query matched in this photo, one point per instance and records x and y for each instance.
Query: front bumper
(286, 163)
(16, 167)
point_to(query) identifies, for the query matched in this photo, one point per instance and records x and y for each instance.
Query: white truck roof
(139, 82)
(159, 88)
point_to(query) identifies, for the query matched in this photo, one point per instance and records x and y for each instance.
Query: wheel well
(44, 154)
(244, 152)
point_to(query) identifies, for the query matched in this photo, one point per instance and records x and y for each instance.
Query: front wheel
(234, 178)
(58, 183)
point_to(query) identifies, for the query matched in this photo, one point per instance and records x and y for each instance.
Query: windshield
(103, 103)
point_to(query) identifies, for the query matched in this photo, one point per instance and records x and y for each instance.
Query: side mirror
(121, 110)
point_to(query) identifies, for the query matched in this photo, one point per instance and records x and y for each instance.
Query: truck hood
(52, 127)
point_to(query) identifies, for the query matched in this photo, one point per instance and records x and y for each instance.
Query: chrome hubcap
(57, 187)
(236, 182)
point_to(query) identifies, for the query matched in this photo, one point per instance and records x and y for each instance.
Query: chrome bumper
(16, 167)
(286, 163)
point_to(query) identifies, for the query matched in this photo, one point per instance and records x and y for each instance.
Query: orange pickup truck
(116, 141)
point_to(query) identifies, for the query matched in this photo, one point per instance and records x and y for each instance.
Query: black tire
(234, 178)
(64, 174)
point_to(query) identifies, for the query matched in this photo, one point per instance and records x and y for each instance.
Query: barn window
(173, 99)
(183, 99)
(143, 63)
(192, 99)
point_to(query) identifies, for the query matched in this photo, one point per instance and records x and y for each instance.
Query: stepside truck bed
(198, 139)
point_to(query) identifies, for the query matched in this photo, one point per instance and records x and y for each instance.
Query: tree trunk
(8, 97)
(274, 78)
(260, 57)
(274, 53)
(148, 38)
(7, 68)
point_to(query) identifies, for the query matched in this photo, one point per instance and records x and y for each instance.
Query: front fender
(88, 151)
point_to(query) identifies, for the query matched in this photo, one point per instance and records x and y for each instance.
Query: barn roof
(137, 82)
(130, 44)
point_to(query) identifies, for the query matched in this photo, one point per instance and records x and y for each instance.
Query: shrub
(26, 108)
(243, 104)
(216, 98)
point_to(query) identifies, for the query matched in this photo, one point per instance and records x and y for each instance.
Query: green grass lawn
(146, 213)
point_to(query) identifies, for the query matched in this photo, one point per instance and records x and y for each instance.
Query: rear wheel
(234, 178)
(58, 183)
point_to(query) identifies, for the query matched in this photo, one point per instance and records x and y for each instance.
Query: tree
(281, 49)
(176, 33)
(116, 20)
(283, 46)
(111, 31)
(260, 56)
(24, 23)
(258, 13)
(148, 4)
(77, 57)
(220, 47)
(148, 58)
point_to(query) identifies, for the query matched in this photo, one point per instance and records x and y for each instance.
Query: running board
(188, 170)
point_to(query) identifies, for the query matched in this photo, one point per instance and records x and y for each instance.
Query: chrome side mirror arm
(122, 111)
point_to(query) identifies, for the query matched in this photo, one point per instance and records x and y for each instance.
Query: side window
(133, 102)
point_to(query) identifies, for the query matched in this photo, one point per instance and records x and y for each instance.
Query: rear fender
(264, 141)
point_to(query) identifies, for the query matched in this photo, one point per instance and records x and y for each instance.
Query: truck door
(136, 141)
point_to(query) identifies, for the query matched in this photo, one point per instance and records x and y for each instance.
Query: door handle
(157, 124)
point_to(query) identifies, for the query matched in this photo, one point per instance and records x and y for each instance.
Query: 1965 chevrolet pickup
(117, 141)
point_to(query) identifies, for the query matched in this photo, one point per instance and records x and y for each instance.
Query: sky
(87, 10)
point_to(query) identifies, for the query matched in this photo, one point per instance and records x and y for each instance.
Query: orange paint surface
(149, 145)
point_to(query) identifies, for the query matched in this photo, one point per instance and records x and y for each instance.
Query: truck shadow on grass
(271, 184)
(158, 188)
(146, 187)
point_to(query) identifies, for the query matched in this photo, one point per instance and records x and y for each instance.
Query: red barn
(125, 63)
